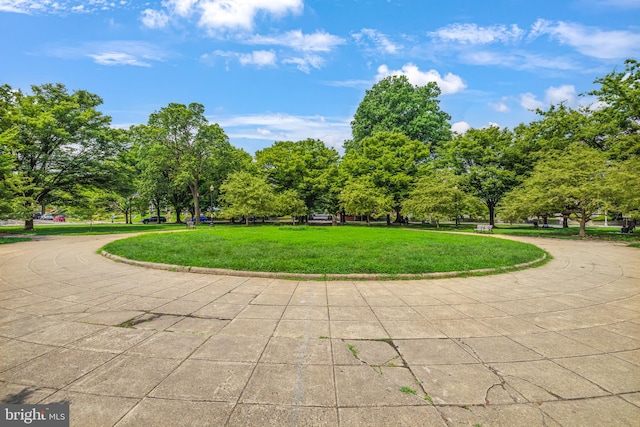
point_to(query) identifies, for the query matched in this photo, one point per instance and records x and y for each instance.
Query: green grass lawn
(85, 228)
(592, 233)
(5, 240)
(325, 250)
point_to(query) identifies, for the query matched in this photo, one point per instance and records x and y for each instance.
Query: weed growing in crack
(353, 350)
(428, 398)
(408, 390)
(323, 337)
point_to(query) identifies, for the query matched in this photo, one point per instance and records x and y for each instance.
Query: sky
(287, 70)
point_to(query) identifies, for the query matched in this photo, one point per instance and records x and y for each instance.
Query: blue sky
(270, 70)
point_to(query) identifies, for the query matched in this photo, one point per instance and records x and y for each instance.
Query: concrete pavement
(557, 345)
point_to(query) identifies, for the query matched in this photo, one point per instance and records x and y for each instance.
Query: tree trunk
(28, 224)
(196, 202)
(565, 221)
(492, 206)
(388, 219)
(158, 213)
(246, 220)
(583, 224)
(368, 221)
(398, 219)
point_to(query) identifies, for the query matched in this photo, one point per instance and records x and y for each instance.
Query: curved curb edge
(305, 276)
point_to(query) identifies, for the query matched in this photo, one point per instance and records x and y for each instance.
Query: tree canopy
(58, 141)
(395, 105)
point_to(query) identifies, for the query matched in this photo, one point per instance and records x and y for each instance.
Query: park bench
(483, 228)
(191, 224)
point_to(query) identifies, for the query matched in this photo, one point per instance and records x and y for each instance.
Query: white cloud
(124, 52)
(118, 58)
(306, 62)
(529, 102)
(474, 34)
(552, 95)
(564, 93)
(590, 41)
(261, 58)
(154, 18)
(57, 7)
(518, 60)
(319, 41)
(181, 8)
(448, 84)
(220, 15)
(460, 127)
(333, 131)
(379, 40)
(500, 107)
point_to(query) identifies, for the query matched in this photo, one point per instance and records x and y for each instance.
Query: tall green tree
(618, 112)
(244, 194)
(182, 142)
(395, 105)
(308, 167)
(390, 160)
(439, 194)
(361, 197)
(59, 140)
(577, 180)
(289, 203)
(482, 157)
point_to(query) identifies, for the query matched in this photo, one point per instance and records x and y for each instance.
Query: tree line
(403, 160)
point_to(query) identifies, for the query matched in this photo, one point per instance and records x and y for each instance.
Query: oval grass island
(315, 252)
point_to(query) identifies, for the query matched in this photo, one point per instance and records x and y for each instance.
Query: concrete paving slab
(374, 353)
(232, 348)
(433, 352)
(610, 373)
(197, 325)
(15, 352)
(255, 415)
(262, 312)
(125, 375)
(499, 416)
(558, 382)
(298, 351)
(357, 330)
(111, 340)
(250, 327)
(56, 369)
(363, 386)
(167, 345)
(155, 413)
(306, 312)
(605, 411)
(307, 385)
(17, 394)
(91, 410)
(457, 384)
(406, 416)
(205, 380)
(499, 349)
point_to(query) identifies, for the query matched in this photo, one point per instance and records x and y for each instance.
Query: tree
(395, 105)
(180, 138)
(577, 180)
(439, 194)
(247, 195)
(289, 203)
(361, 197)
(618, 114)
(390, 160)
(308, 167)
(59, 140)
(482, 157)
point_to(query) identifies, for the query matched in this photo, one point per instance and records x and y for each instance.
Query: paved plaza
(557, 345)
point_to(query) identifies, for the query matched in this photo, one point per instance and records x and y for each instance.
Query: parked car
(59, 218)
(47, 217)
(37, 215)
(203, 218)
(153, 219)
